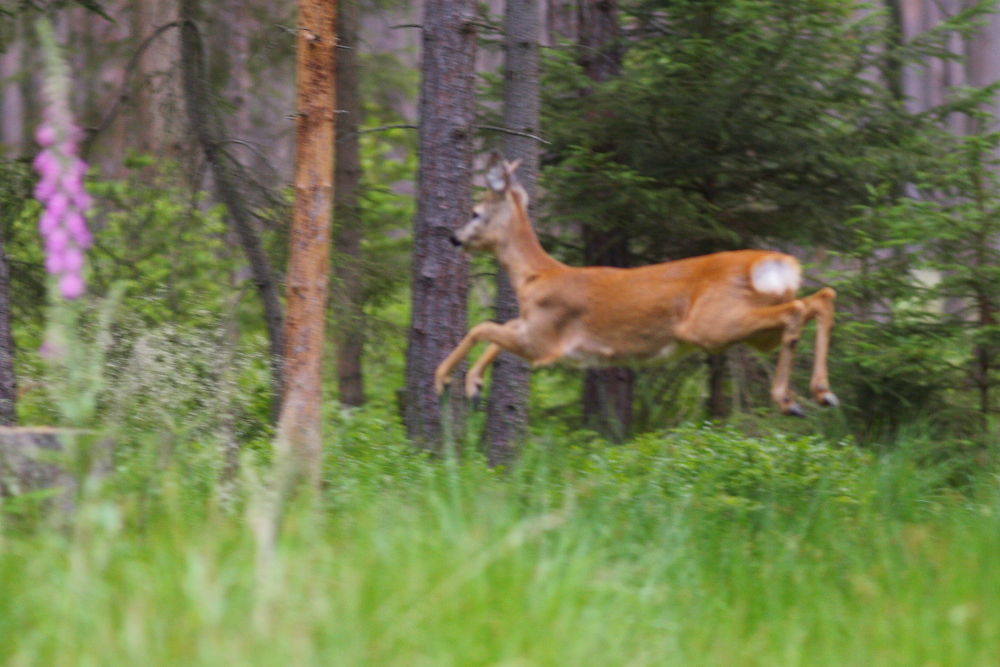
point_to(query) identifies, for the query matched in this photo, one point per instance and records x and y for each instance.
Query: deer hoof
(440, 382)
(793, 409)
(827, 398)
(473, 388)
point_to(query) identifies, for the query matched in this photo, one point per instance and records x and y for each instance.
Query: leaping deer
(601, 316)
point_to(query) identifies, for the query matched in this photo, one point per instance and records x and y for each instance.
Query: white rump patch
(776, 276)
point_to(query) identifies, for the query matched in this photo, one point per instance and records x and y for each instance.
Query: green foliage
(639, 555)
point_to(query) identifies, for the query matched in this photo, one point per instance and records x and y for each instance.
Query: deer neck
(521, 254)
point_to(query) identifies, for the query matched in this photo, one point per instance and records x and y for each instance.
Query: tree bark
(607, 392)
(717, 404)
(600, 51)
(507, 406)
(307, 280)
(560, 20)
(440, 279)
(347, 179)
(8, 381)
(208, 134)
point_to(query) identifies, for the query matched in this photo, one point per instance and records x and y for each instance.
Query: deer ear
(497, 177)
(512, 166)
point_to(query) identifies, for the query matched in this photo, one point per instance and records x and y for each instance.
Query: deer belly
(590, 354)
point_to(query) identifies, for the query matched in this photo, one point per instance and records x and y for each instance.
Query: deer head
(492, 217)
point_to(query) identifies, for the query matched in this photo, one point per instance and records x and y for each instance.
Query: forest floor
(700, 546)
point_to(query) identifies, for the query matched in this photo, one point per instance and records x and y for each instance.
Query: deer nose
(454, 241)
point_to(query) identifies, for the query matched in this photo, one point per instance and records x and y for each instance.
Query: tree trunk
(347, 178)
(8, 384)
(307, 280)
(560, 20)
(600, 53)
(440, 279)
(717, 404)
(235, 39)
(154, 131)
(507, 406)
(208, 134)
(607, 392)
(11, 103)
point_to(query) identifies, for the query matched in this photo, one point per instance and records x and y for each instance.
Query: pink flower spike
(46, 164)
(57, 204)
(73, 260)
(45, 135)
(45, 189)
(48, 223)
(83, 200)
(57, 242)
(77, 226)
(84, 240)
(54, 263)
(71, 285)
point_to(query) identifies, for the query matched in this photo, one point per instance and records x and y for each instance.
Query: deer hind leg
(474, 378)
(820, 307)
(506, 336)
(756, 323)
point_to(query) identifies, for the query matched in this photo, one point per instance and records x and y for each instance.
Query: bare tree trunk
(157, 92)
(440, 281)
(300, 426)
(507, 406)
(560, 19)
(607, 392)
(235, 39)
(347, 179)
(717, 405)
(8, 383)
(11, 110)
(600, 51)
(206, 130)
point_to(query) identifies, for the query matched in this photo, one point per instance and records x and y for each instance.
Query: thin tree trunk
(11, 104)
(607, 392)
(206, 130)
(717, 371)
(8, 383)
(347, 179)
(560, 20)
(300, 426)
(235, 39)
(440, 280)
(600, 51)
(507, 406)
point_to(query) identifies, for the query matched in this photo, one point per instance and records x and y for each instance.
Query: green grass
(699, 547)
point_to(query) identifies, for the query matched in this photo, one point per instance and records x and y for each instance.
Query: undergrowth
(699, 546)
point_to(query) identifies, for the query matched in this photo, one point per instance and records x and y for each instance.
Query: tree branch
(494, 128)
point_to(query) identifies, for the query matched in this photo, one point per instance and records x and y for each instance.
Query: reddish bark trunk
(300, 425)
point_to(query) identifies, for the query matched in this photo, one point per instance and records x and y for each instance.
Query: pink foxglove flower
(61, 189)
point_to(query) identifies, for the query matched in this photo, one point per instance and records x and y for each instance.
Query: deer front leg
(506, 336)
(821, 308)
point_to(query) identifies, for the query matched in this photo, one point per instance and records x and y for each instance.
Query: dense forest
(226, 285)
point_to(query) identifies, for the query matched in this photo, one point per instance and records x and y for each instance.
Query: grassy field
(696, 547)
